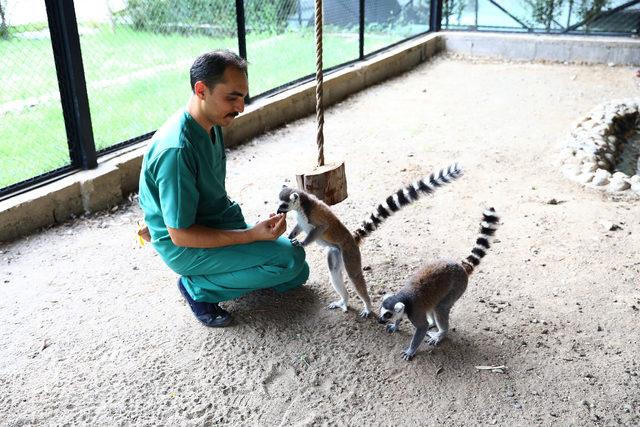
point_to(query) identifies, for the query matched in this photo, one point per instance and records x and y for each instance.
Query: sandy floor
(94, 330)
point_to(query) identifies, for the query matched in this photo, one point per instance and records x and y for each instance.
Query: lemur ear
(293, 197)
(386, 296)
(399, 307)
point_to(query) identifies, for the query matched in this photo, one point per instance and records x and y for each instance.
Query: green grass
(135, 80)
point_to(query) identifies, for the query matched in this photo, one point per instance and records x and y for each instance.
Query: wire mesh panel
(549, 16)
(281, 43)
(33, 140)
(616, 19)
(137, 54)
(391, 21)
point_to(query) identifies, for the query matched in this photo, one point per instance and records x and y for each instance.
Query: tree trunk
(4, 28)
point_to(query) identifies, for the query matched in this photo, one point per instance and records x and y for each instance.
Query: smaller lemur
(430, 294)
(323, 226)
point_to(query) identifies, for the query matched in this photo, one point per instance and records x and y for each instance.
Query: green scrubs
(182, 183)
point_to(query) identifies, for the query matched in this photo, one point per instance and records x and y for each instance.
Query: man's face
(226, 100)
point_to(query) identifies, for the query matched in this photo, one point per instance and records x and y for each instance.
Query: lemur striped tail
(404, 197)
(488, 228)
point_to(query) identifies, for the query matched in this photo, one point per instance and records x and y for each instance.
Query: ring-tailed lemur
(322, 225)
(431, 293)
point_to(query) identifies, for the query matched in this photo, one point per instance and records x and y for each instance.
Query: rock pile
(596, 143)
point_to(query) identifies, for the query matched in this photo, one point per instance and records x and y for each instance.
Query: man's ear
(199, 89)
(399, 307)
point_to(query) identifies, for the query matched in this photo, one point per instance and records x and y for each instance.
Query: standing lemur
(431, 293)
(322, 225)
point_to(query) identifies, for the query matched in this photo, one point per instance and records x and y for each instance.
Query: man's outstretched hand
(270, 229)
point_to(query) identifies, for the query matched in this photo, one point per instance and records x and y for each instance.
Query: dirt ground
(95, 332)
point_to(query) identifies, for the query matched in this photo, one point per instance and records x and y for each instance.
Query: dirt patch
(94, 330)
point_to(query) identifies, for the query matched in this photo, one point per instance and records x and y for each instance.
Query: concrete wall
(117, 174)
(528, 47)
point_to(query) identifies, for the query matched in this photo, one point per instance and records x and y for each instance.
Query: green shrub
(211, 17)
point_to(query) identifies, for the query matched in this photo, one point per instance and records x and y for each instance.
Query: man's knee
(298, 255)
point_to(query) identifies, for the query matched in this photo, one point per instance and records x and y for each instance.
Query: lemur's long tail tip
(488, 227)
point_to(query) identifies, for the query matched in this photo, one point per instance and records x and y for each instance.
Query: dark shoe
(209, 314)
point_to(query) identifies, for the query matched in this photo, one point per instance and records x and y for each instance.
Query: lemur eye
(387, 315)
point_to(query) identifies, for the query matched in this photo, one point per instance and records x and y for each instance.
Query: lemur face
(390, 312)
(289, 200)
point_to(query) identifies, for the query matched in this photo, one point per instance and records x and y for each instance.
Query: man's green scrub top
(182, 183)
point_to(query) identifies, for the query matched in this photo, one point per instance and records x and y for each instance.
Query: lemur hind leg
(441, 318)
(430, 320)
(334, 259)
(353, 265)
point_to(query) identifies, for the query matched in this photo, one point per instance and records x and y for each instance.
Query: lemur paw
(295, 242)
(338, 304)
(434, 338)
(391, 328)
(364, 313)
(408, 354)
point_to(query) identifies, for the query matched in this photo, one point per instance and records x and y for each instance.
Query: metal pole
(65, 42)
(362, 23)
(506, 12)
(435, 15)
(242, 34)
(476, 7)
(601, 15)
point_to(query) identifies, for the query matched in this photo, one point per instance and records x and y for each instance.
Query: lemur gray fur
(430, 294)
(322, 225)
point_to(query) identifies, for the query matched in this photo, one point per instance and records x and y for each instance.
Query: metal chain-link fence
(388, 22)
(137, 55)
(617, 17)
(32, 131)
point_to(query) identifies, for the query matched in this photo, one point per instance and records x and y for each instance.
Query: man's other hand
(144, 234)
(270, 229)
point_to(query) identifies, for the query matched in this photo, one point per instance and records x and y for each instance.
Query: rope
(319, 106)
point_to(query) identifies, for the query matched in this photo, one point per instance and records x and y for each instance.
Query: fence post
(65, 42)
(361, 35)
(435, 12)
(242, 34)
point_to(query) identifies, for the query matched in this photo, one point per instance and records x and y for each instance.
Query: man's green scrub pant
(221, 274)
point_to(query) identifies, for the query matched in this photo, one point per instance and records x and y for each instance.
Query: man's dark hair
(210, 67)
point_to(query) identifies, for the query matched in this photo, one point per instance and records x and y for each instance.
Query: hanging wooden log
(327, 182)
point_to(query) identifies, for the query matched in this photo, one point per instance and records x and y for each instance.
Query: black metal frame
(65, 42)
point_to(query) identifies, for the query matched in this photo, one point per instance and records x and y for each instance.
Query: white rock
(619, 176)
(585, 178)
(636, 187)
(634, 179)
(610, 157)
(618, 185)
(589, 167)
(601, 177)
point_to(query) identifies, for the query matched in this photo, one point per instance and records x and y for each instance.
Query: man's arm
(200, 236)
